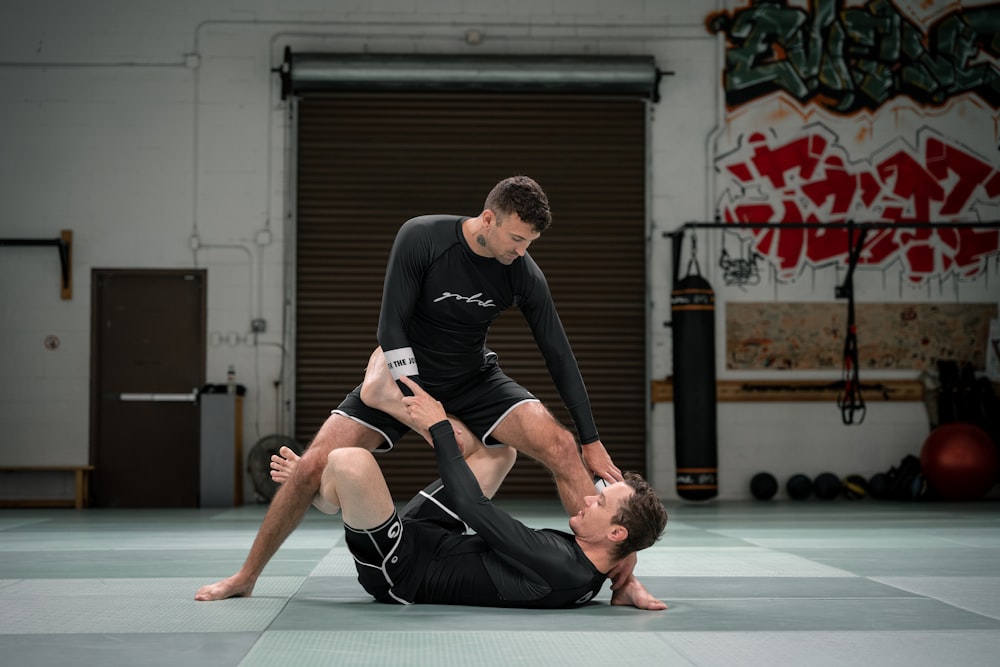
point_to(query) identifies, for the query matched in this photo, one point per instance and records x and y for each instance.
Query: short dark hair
(642, 514)
(523, 196)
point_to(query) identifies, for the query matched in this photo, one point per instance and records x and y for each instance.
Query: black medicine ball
(763, 486)
(799, 487)
(878, 486)
(827, 486)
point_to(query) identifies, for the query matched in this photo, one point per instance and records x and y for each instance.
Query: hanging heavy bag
(692, 307)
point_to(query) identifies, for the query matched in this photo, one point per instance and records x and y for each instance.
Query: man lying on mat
(424, 553)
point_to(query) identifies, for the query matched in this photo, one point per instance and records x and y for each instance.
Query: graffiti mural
(879, 111)
(848, 58)
(810, 179)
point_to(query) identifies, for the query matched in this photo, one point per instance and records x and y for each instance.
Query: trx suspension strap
(850, 401)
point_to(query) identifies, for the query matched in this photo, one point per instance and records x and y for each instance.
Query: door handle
(161, 398)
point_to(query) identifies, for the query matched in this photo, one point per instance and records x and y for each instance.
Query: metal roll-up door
(368, 161)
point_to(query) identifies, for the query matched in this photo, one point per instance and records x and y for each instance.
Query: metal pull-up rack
(849, 399)
(676, 236)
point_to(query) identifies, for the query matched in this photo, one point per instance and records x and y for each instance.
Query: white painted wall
(141, 125)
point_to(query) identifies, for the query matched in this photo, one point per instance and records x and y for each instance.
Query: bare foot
(232, 587)
(282, 464)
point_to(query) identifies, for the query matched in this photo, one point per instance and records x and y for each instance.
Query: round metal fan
(259, 464)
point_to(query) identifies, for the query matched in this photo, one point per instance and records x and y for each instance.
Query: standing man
(447, 279)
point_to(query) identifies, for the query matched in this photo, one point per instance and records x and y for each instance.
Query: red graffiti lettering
(809, 179)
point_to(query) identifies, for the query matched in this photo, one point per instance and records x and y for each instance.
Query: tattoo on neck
(481, 240)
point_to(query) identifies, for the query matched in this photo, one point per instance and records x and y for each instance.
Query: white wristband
(401, 362)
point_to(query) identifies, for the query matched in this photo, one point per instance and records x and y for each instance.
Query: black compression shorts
(381, 556)
(481, 403)
(387, 556)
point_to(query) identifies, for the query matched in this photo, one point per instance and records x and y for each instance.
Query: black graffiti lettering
(739, 271)
(752, 68)
(872, 41)
(942, 69)
(858, 57)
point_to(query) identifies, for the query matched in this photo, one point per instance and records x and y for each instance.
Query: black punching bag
(692, 307)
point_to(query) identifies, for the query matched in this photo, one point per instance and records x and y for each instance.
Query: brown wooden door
(147, 364)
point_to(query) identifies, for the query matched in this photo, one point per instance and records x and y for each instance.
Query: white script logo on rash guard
(474, 299)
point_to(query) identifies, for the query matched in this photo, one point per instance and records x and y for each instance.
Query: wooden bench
(81, 474)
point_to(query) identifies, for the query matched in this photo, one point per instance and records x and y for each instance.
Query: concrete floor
(777, 583)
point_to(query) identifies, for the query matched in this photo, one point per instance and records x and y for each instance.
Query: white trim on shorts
(388, 440)
(501, 418)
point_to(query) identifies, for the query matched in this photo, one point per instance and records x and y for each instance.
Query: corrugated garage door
(366, 162)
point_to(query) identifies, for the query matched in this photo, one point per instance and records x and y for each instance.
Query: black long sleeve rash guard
(439, 300)
(505, 563)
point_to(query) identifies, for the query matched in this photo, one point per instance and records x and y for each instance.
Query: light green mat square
(977, 594)
(192, 649)
(167, 588)
(836, 649)
(729, 562)
(987, 536)
(61, 538)
(913, 562)
(459, 649)
(7, 524)
(100, 614)
(805, 614)
(846, 538)
(123, 563)
(338, 563)
(360, 615)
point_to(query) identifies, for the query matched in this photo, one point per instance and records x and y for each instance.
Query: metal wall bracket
(64, 244)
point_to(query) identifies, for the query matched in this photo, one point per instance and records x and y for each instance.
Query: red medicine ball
(959, 461)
